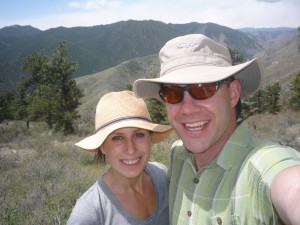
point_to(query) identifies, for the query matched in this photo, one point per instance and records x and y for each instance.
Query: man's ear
(235, 92)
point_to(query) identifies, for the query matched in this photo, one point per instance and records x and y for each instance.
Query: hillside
(100, 47)
(280, 63)
(116, 78)
(244, 43)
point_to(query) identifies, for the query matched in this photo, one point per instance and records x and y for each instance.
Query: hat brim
(93, 142)
(248, 73)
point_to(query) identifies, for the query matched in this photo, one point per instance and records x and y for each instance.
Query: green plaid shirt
(233, 189)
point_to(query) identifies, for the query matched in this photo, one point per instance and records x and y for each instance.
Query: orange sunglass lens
(172, 94)
(202, 91)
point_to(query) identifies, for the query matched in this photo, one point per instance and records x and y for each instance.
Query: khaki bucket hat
(196, 58)
(117, 110)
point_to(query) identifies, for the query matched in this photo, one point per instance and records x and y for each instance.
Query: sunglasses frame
(218, 84)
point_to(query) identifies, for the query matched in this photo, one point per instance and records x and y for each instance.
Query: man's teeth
(130, 162)
(196, 126)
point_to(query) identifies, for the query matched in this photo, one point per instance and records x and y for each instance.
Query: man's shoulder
(266, 148)
(269, 155)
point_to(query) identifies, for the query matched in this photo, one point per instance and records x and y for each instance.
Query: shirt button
(189, 213)
(196, 180)
(219, 220)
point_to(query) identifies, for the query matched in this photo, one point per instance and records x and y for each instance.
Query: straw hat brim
(93, 142)
(248, 73)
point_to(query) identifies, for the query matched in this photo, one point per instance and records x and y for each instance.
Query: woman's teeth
(130, 162)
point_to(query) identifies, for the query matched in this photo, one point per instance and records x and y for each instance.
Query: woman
(133, 190)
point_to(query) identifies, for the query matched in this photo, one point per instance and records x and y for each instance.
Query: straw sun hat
(195, 58)
(117, 110)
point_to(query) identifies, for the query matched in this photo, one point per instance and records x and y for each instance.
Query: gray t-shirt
(98, 205)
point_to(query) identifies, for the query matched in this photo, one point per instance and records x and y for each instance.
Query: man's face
(206, 124)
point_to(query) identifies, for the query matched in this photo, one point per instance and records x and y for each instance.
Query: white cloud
(93, 4)
(269, 1)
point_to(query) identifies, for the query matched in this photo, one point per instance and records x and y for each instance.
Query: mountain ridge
(100, 47)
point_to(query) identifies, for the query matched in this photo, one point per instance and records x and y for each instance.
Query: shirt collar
(236, 148)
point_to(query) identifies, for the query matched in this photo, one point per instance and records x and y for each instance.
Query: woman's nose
(130, 146)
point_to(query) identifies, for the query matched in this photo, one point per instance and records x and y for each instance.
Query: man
(219, 172)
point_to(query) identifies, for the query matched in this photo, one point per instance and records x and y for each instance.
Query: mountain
(279, 55)
(245, 44)
(94, 48)
(98, 48)
(18, 31)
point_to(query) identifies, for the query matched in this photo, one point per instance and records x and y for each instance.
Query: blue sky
(45, 14)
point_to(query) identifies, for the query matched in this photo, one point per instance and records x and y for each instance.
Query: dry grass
(42, 174)
(283, 128)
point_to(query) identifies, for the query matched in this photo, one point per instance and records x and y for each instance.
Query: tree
(22, 101)
(27, 86)
(272, 97)
(294, 101)
(157, 111)
(65, 94)
(6, 101)
(264, 100)
(50, 94)
(258, 101)
(236, 57)
(129, 87)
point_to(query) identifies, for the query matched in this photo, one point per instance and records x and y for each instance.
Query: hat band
(123, 118)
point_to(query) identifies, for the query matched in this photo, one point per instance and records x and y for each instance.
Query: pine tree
(236, 57)
(257, 102)
(157, 111)
(6, 102)
(65, 93)
(272, 97)
(50, 94)
(294, 101)
(27, 89)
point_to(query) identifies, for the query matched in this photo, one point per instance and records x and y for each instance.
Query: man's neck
(205, 158)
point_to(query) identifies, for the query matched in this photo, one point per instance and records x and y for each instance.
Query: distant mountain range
(99, 48)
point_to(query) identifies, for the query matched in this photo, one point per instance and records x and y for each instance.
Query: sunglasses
(173, 94)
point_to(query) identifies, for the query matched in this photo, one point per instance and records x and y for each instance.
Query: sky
(46, 14)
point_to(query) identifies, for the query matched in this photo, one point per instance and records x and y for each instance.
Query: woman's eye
(140, 135)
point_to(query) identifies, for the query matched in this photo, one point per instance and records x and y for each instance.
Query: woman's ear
(102, 150)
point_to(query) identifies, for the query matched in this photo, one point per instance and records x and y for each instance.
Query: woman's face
(128, 151)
